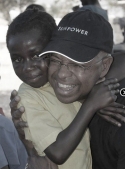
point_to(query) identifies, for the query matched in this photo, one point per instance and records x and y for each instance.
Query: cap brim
(76, 52)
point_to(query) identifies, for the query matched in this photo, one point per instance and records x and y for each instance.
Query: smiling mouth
(66, 87)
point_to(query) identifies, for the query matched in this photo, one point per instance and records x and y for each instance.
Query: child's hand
(114, 113)
(16, 112)
(104, 94)
(37, 162)
(19, 124)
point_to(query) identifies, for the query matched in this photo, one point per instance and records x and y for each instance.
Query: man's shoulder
(117, 69)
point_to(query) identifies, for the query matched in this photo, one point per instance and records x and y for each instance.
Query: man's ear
(106, 63)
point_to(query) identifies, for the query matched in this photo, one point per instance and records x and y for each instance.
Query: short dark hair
(75, 8)
(35, 6)
(32, 19)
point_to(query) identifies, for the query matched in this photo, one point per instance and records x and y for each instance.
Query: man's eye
(53, 61)
(74, 66)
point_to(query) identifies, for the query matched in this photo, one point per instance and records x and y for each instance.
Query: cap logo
(73, 29)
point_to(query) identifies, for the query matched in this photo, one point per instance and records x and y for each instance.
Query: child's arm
(112, 112)
(101, 96)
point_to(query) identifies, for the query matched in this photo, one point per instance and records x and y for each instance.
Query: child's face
(72, 83)
(24, 49)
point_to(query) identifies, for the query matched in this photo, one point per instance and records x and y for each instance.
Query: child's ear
(106, 63)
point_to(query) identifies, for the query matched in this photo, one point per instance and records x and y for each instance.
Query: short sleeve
(43, 127)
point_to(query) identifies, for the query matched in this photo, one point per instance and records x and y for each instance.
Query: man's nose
(64, 72)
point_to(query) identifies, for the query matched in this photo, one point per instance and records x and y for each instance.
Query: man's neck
(117, 69)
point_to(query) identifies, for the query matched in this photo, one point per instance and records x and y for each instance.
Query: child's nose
(28, 66)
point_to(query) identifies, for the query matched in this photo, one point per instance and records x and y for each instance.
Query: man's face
(72, 85)
(24, 50)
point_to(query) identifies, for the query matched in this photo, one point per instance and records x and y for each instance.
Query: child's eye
(36, 57)
(17, 60)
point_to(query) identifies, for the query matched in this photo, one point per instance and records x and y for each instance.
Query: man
(107, 141)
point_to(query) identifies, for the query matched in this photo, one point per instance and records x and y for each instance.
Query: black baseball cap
(80, 36)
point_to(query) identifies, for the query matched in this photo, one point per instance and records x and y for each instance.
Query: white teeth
(66, 86)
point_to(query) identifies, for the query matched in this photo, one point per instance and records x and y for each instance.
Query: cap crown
(87, 28)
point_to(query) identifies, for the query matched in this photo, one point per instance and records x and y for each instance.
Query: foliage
(7, 5)
(61, 7)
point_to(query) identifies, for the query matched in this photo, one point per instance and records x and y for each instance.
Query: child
(52, 120)
(31, 31)
(27, 35)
